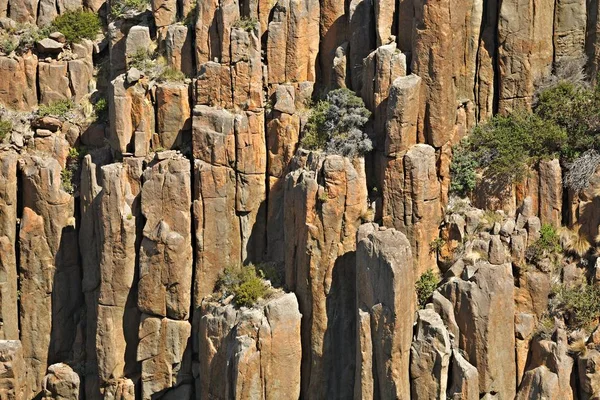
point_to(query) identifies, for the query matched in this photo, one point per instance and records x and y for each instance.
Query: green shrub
(243, 283)
(120, 7)
(507, 145)
(141, 59)
(436, 245)
(169, 74)
(336, 125)
(548, 243)
(101, 108)
(270, 272)
(8, 44)
(5, 129)
(576, 109)
(70, 171)
(246, 23)
(77, 25)
(463, 170)
(425, 287)
(579, 305)
(57, 109)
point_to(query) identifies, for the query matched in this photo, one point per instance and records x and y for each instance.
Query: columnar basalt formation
(137, 165)
(386, 304)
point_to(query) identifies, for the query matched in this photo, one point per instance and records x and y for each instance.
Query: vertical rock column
(8, 258)
(258, 350)
(49, 271)
(411, 190)
(13, 367)
(525, 50)
(324, 201)
(165, 282)
(117, 314)
(484, 312)
(386, 304)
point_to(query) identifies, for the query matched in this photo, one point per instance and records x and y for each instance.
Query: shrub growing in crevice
(336, 125)
(56, 109)
(5, 130)
(244, 283)
(578, 305)
(425, 287)
(548, 243)
(463, 170)
(77, 25)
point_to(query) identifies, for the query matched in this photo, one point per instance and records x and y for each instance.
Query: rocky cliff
(141, 160)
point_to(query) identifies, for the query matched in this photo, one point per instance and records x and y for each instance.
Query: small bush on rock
(547, 243)
(425, 287)
(243, 283)
(121, 7)
(579, 305)
(246, 23)
(336, 125)
(57, 109)
(5, 129)
(507, 145)
(463, 170)
(578, 173)
(77, 25)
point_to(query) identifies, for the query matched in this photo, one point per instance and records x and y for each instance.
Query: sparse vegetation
(121, 7)
(425, 287)
(57, 109)
(243, 283)
(336, 125)
(141, 59)
(101, 109)
(436, 245)
(463, 170)
(169, 74)
(578, 305)
(68, 173)
(5, 130)
(548, 243)
(246, 23)
(506, 145)
(574, 241)
(77, 25)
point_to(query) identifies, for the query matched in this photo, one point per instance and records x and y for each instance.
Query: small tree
(77, 25)
(336, 125)
(425, 287)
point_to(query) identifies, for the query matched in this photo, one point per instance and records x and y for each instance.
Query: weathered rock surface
(13, 369)
(322, 217)
(484, 313)
(386, 303)
(259, 348)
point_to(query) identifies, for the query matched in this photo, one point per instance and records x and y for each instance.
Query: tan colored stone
(165, 12)
(259, 348)
(217, 228)
(402, 115)
(525, 51)
(53, 82)
(178, 48)
(12, 382)
(164, 287)
(551, 193)
(130, 111)
(569, 29)
(386, 299)
(165, 353)
(432, 37)
(9, 330)
(430, 357)
(61, 382)
(173, 114)
(214, 85)
(18, 88)
(361, 28)
(487, 326)
(320, 226)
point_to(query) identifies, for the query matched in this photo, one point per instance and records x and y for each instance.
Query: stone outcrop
(259, 348)
(13, 369)
(430, 357)
(386, 303)
(484, 313)
(322, 217)
(61, 382)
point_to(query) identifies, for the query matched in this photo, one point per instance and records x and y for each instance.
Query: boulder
(61, 382)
